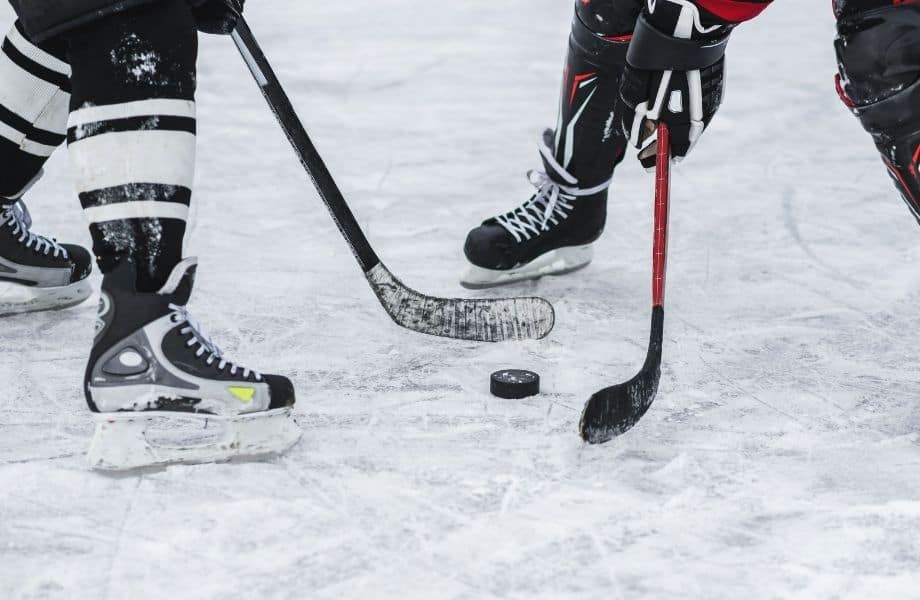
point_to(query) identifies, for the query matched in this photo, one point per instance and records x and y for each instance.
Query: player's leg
(878, 50)
(131, 138)
(552, 232)
(36, 272)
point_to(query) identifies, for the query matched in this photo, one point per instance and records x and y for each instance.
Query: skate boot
(38, 273)
(151, 365)
(550, 234)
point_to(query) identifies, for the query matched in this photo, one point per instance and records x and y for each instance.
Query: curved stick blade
(615, 410)
(480, 320)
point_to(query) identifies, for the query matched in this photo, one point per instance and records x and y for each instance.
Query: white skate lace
(550, 205)
(16, 216)
(207, 349)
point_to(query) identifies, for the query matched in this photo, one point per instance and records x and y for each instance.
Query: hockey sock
(588, 142)
(131, 134)
(34, 96)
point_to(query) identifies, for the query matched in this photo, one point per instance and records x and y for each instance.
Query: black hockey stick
(613, 411)
(486, 320)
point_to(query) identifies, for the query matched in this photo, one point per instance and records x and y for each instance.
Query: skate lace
(16, 216)
(207, 349)
(550, 204)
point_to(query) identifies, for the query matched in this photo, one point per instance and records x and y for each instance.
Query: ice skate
(162, 391)
(553, 232)
(36, 272)
(550, 234)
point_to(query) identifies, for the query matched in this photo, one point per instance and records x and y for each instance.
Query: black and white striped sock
(131, 135)
(134, 160)
(133, 165)
(34, 99)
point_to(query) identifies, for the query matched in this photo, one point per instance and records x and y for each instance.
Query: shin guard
(878, 51)
(588, 142)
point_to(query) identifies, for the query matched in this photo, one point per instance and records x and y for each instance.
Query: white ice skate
(162, 391)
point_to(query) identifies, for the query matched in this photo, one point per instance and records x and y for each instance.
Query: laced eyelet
(17, 217)
(552, 201)
(207, 351)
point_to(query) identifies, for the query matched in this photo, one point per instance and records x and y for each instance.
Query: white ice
(780, 460)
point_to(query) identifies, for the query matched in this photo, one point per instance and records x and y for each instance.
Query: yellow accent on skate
(245, 394)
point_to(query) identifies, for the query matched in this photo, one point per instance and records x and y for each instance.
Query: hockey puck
(514, 384)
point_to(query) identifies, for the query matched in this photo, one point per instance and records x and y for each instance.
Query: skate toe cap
(82, 262)
(282, 391)
(488, 246)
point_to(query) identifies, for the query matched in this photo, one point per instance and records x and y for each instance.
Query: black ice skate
(150, 360)
(550, 234)
(38, 273)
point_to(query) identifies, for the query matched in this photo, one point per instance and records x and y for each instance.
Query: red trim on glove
(733, 11)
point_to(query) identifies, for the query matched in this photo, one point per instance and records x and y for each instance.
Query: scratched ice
(779, 461)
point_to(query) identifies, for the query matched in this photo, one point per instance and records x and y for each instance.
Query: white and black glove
(674, 73)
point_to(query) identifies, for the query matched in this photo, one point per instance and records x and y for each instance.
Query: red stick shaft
(662, 195)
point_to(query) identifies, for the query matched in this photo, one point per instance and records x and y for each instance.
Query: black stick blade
(479, 320)
(615, 410)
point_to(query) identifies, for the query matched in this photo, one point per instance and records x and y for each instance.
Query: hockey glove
(674, 74)
(218, 16)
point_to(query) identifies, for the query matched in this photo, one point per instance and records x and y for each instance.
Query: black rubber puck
(515, 384)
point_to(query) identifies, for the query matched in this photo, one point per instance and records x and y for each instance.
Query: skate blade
(17, 299)
(554, 262)
(130, 440)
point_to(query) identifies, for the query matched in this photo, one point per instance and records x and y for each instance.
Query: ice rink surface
(780, 460)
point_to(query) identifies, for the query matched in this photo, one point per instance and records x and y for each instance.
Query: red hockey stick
(614, 410)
